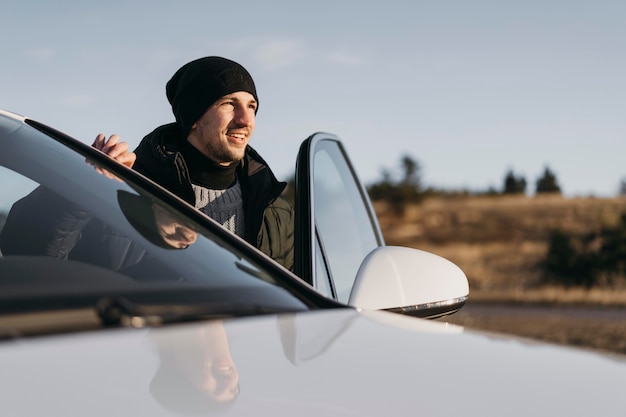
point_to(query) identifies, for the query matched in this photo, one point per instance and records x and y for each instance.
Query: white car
(121, 323)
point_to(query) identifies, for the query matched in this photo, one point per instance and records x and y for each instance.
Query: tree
(547, 183)
(596, 258)
(382, 189)
(612, 255)
(398, 193)
(568, 261)
(514, 184)
(412, 172)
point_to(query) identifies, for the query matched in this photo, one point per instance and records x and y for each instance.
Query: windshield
(70, 230)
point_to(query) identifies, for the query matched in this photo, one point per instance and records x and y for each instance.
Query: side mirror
(409, 281)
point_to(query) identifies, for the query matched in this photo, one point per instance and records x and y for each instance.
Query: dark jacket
(45, 224)
(269, 218)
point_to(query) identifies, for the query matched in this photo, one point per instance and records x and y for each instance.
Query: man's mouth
(237, 138)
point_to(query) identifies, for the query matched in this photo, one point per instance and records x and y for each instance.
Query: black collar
(205, 172)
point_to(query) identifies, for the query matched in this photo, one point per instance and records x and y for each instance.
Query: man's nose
(245, 116)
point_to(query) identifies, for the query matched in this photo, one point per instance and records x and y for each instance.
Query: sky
(468, 89)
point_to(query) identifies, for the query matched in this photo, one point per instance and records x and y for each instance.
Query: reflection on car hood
(331, 363)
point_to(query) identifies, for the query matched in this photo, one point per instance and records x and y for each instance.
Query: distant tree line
(409, 187)
(545, 184)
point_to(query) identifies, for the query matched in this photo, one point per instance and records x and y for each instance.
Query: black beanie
(200, 83)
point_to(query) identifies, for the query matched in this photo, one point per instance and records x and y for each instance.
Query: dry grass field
(500, 242)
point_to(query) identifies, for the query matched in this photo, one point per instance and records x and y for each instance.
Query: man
(204, 157)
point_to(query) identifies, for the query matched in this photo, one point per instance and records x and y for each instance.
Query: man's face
(174, 232)
(224, 130)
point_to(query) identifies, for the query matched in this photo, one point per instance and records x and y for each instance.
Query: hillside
(498, 241)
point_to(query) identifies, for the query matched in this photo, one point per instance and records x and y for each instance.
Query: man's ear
(192, 130)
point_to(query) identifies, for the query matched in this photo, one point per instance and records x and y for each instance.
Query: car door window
(322, 278)
(340, 215)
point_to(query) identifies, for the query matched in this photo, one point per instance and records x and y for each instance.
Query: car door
(336, 224)
(340, 249)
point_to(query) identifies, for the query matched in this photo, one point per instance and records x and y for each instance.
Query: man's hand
(115, 149)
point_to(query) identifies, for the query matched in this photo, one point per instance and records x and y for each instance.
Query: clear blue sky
(470, 89)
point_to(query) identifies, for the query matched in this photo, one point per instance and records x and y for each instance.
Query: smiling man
(204, 157)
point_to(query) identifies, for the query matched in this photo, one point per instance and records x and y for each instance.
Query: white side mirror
(409, 281)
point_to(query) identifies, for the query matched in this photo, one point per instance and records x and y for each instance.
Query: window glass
(322, 279)
(103, 233)
(343, 222)
(13, 188)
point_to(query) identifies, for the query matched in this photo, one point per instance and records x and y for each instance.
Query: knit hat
(200, 83)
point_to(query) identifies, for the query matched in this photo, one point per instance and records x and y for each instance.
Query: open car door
(340, 249)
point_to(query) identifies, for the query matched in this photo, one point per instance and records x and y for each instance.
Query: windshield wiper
(39, 316)
(119, 311)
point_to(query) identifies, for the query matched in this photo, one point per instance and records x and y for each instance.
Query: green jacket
(269, 218)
